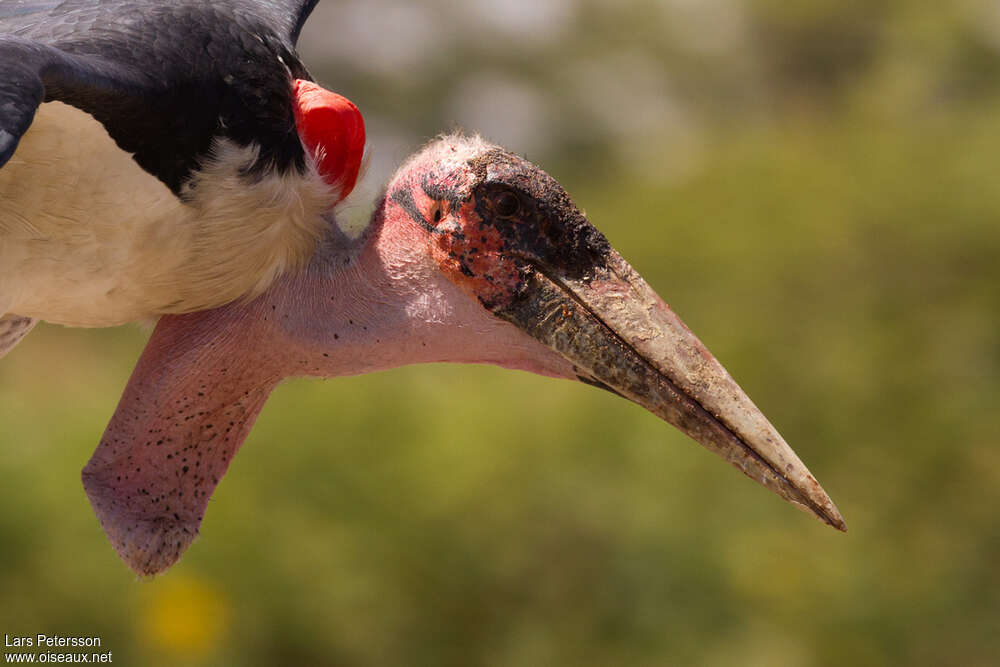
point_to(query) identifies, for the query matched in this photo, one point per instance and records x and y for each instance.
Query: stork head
(472, 255)
(508, 236)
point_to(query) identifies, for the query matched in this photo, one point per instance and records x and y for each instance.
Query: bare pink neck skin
(381, 302)
(362, 306)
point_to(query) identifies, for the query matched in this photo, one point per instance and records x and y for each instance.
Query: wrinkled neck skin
(379, 302)
(360, 306)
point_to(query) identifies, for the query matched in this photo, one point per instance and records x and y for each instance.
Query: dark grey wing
(165, 79)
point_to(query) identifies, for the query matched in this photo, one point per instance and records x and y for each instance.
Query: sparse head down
(485, 210)
(473, 255)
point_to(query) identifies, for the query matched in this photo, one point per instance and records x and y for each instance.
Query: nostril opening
(437, 215)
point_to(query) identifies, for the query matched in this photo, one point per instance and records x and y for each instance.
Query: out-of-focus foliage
(813, 188)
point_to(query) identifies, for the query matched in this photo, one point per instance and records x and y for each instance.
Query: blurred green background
(812, 186)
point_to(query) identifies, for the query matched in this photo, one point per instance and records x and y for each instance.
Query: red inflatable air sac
(333, 132)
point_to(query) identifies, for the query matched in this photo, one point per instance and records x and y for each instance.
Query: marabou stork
(175, 160)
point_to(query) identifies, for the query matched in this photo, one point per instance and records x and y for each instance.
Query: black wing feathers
(163, 78)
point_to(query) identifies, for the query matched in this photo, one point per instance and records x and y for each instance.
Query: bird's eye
(437, 215)
(507, 204)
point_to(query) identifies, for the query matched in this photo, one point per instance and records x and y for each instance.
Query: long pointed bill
(621, 335)
(516, 241)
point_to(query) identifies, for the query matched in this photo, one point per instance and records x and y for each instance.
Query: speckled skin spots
(495, 220)
(188, 407)
(475, 255)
